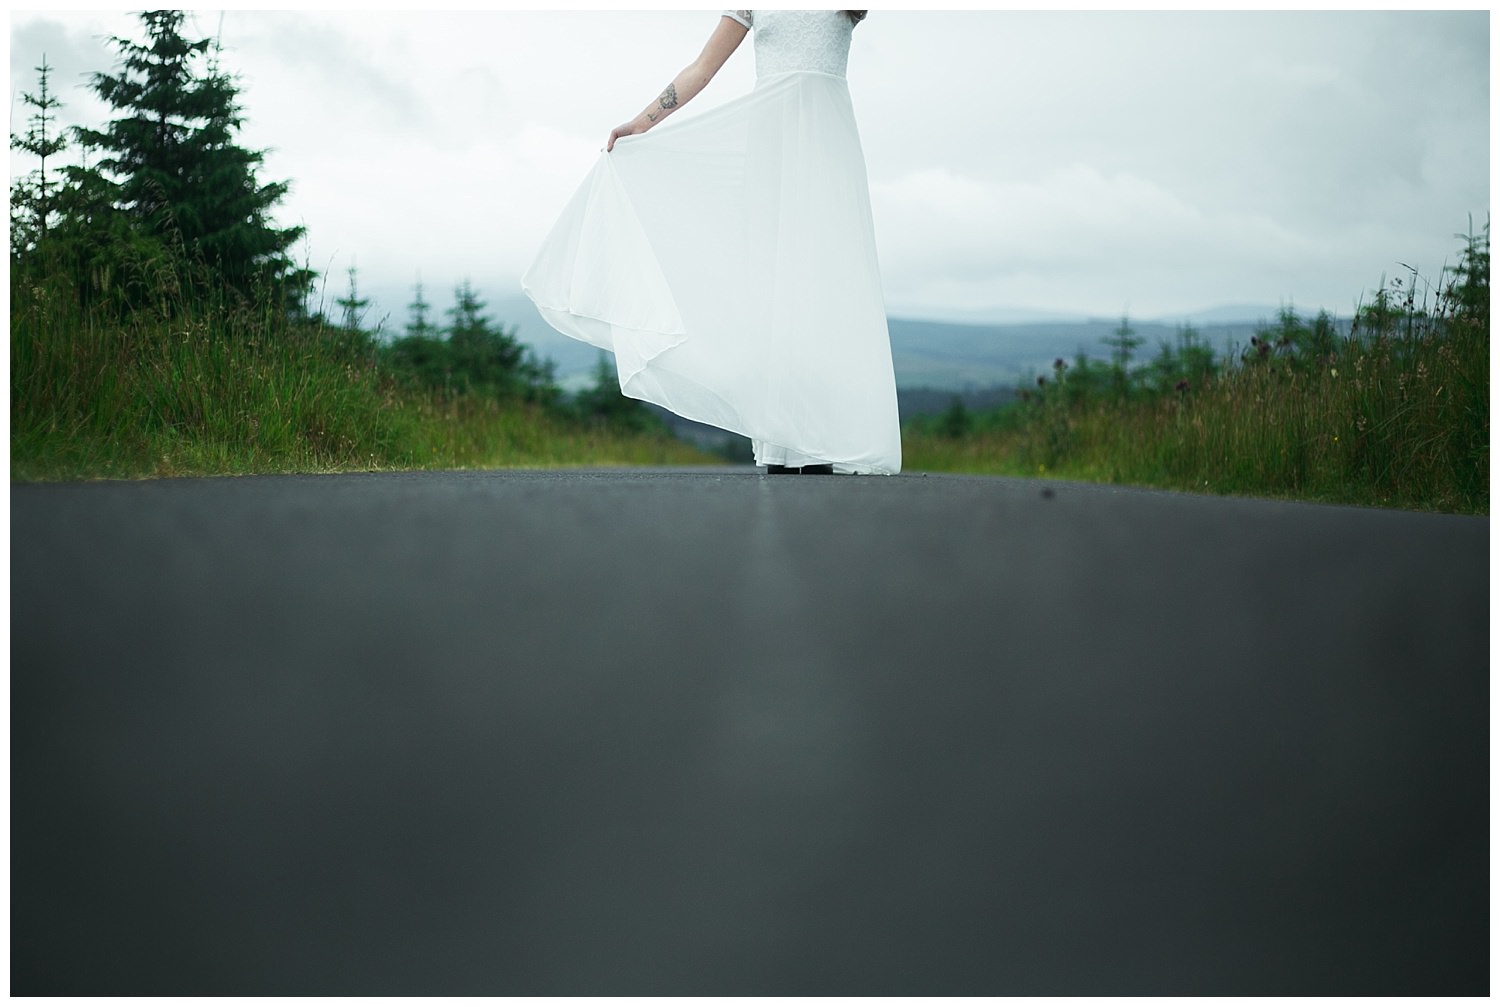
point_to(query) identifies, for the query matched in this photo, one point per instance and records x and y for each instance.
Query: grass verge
(230, 391)
(1395, 415)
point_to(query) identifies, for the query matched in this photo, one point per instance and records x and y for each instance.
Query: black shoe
(780, 470)
(817, 470)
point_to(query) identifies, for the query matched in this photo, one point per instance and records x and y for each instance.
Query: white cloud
(1077, 238)
(1083, 161)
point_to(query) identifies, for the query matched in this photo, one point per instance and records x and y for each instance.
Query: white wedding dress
(728, 261)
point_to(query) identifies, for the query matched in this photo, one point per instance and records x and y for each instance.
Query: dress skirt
(728, 262)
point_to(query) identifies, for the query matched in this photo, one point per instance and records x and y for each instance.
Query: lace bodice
(788, 40)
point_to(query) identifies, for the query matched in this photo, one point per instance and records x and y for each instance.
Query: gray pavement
(716, 732)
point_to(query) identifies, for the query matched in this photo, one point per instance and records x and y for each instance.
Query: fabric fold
(728, 261)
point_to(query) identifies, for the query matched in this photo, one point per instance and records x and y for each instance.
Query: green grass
(1386, 424)
(214, 391)
(1395, 416)
(1365, 430)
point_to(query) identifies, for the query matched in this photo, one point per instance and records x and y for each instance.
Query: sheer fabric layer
(728, 261)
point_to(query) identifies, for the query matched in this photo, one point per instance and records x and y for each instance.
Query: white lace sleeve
(744, 17)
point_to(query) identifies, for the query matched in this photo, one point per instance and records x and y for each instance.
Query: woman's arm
(725, 39)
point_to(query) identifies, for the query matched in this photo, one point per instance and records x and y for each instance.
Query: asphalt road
(717, 732)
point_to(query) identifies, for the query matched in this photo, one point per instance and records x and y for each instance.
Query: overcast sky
(1088, 164)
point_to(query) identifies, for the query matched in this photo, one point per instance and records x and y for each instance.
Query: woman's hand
(630, 128)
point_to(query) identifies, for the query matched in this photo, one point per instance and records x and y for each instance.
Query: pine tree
(33, 199)
(1123, 345)
(487, 358)
(65, 225)
(419, 327)
(483, 356)
(354, 306)
(956, 421)
(605, 403)
(173, 162)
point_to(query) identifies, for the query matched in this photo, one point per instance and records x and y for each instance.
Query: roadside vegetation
(160, 326)
(228, 389)
(1394, 412)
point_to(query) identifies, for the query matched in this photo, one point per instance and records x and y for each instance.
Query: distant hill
(947, 355)
(915, 401)
(940, 356)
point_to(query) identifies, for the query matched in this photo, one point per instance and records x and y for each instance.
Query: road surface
(651, 732)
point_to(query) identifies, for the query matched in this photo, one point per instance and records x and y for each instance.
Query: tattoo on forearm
(667, 100)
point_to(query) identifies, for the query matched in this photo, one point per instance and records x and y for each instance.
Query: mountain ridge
(940, 354)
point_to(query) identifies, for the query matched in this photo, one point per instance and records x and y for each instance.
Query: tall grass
(1395, 415)
(217, 388)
